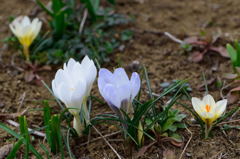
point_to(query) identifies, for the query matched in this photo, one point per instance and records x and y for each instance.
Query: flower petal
(77, 95)
(111, 96)
(120, 76)
(135, 83)
(106, 75)
(208, 100)
(198, 107)
(221, 107)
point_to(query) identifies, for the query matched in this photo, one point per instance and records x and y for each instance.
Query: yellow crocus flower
(26, 31)
(208, 109)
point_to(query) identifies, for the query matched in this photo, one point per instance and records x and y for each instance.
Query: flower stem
(78, 125)
(26, 52)
(208, 128)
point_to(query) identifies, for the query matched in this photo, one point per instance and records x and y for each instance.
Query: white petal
(25, 21)
(221, 107)
(208, 100)
(198, 107)
(36, 27)
(78, 95)
(64, 94)
(70, 64)
(86, 61)
(14, 30)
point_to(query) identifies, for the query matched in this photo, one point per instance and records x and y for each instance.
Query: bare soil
(164, 59)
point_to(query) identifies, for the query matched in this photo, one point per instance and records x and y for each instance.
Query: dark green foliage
(97, 39)
(167, 120)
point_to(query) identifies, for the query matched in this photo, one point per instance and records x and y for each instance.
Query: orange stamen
(208, 108)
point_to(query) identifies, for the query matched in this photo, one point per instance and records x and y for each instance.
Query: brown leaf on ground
(234, 95)
(190, 40)
(221, 50)
(29, 76)
(144, 149)
(230, 76)
(196, 56)
(177, 144)
(5, 150)
(169, 154)
(209, 82)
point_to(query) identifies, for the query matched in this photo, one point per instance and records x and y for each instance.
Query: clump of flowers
(72, 85)
(26, 31)
(208, 110)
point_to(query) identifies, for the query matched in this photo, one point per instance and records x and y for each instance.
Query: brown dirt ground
(163, 58)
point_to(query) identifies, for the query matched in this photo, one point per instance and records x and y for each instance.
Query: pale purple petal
(106, 75)
(135, 84)
(111, 96)
(124, 92)
(120, 76)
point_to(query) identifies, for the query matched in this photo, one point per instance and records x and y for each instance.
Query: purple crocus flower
(117, 90)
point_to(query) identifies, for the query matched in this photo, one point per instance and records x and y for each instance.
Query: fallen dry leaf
(169, 154)
(209, 82)
(196, 56)
(234, 95)
(5, 150)
(144, 149)
(221, 50)
(230, 76)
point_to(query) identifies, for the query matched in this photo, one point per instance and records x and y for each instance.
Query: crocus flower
(72, 85)
(26, 31)
(117, 90)
(208, 109)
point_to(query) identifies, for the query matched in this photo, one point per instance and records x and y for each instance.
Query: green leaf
(16, 147)
(45, 150)
(233, 54)
(24, 132)
(93, 7)
(41, 5)
(237, 46)
(46, 119)
(176, 137)
(18, 136)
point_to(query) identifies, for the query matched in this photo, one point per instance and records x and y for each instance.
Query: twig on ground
(186, 144)
(85, 14)
(226, 136)
(34, 132)
(22, 98)
(154, 94)
(231, 121)
(12, 115)
(98, 138)
(173, 38)
(119, 157)
(216, 155)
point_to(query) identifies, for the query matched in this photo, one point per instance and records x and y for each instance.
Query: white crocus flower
(72, 85)
(208, 109)
(26, 31)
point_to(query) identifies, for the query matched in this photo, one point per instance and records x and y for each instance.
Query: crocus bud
(72, 85)
(208, 109)
(26, 31)
(117, 90)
